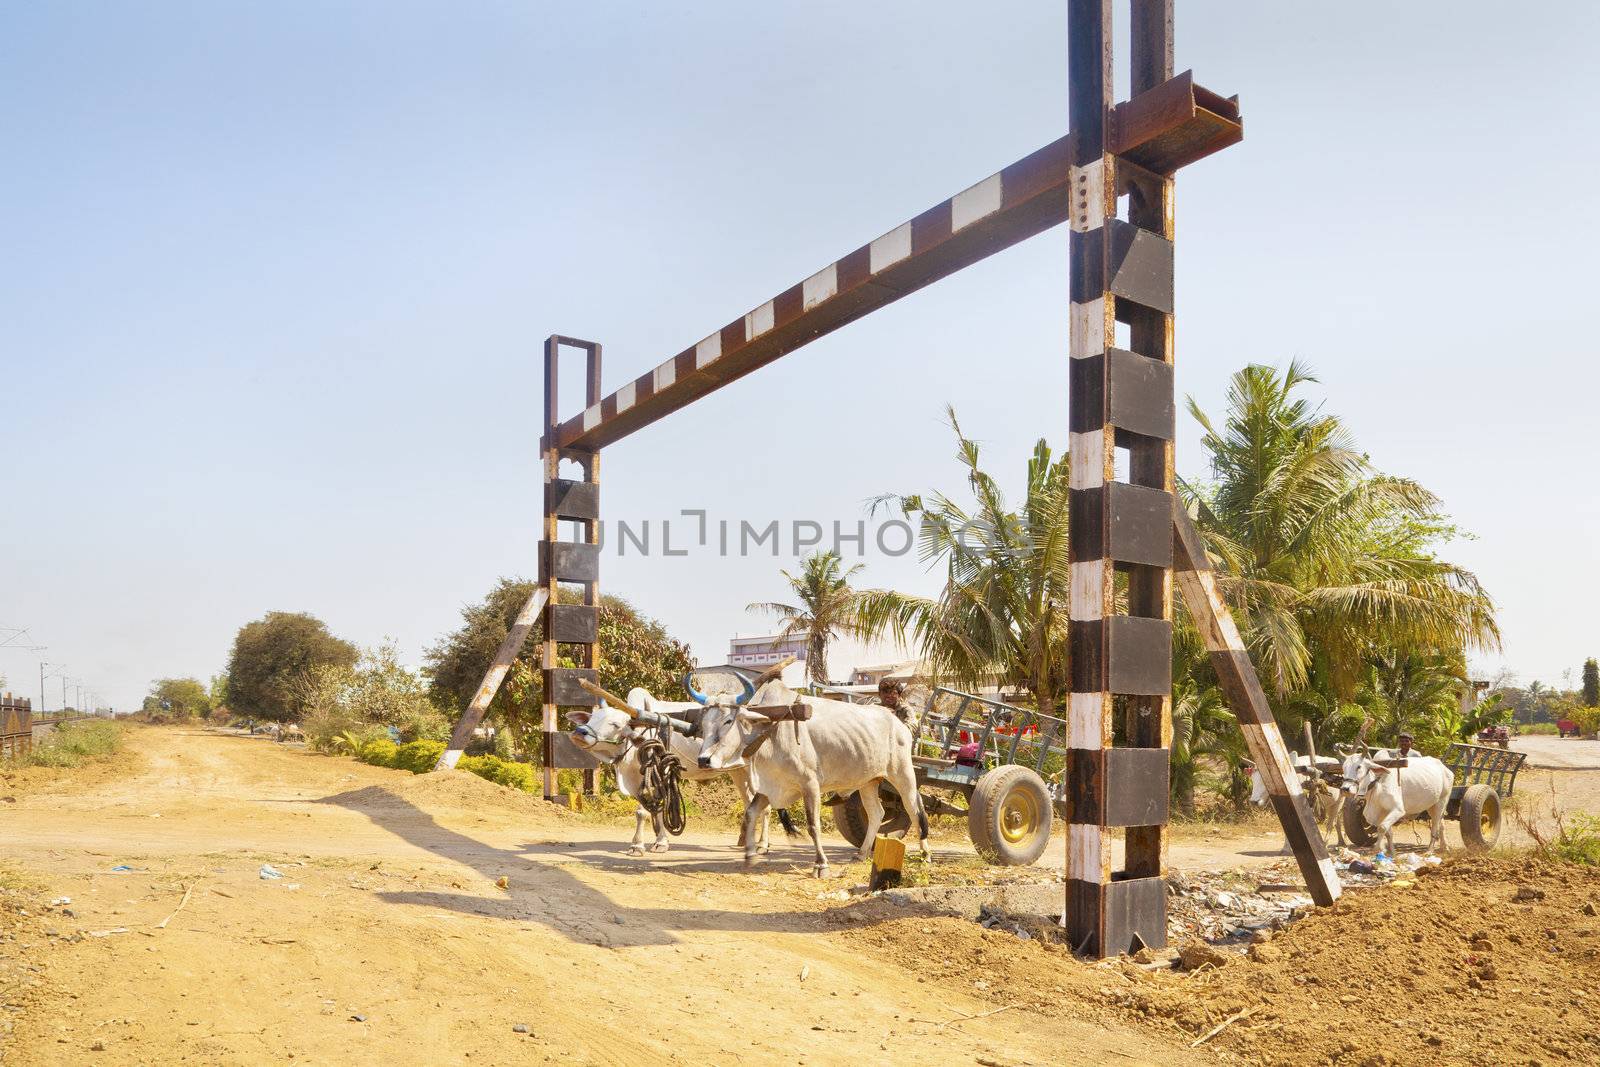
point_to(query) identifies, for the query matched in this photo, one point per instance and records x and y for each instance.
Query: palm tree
(1204, 731)
(1003, 609)
(1417, 691)
(1322, 556)
(826, 608)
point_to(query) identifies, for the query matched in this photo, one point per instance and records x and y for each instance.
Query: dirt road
(1559, 753)
(387, 941)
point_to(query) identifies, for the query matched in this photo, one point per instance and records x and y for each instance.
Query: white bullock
(1327, 803)
(841, 748)
(1389, 794)
(608, 734)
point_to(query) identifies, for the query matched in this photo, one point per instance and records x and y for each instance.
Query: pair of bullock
(1386, 794)
(777, 747)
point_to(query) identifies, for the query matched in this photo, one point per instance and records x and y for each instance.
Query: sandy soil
(1483, 960)
(388, 940)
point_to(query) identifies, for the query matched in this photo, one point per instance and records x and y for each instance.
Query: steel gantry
(1112, 179)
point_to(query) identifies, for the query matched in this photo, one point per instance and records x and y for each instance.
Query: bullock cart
(1484, 775)
(1005, 763)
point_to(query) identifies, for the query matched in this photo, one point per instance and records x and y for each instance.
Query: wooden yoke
(799, 711)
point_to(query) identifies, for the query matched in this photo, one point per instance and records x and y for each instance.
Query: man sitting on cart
(1403, 749)
(891, 695)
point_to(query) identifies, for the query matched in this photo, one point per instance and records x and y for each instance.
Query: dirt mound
(450, 790)
(1426, 974)
(1422, 974)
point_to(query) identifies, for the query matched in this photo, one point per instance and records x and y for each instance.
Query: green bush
(72, 743)
(419, 757)
(501, 772)
(517, 776)
(380, 752)
(482, 766)
(1537, 728)
(1588, 720)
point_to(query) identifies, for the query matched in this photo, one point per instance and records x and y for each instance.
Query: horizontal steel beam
(1026, 198)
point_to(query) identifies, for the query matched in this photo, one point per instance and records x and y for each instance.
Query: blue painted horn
(694, 694)
(749, 691)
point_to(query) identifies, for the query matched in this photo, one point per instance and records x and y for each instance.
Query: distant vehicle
(1568, 728)
(1495, 735)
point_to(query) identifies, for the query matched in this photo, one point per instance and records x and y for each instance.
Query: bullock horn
(694, 694)
(773, 672)
(610, 698)
(749, 691)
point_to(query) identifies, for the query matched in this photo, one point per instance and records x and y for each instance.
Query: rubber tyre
(1356, 830)
(850, 817)
(1480, 818)
(1009, 819)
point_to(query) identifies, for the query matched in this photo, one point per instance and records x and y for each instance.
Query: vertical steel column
(571, 630)
(1121, 397)
(1141, 404)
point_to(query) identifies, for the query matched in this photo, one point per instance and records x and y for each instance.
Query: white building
(763, 651)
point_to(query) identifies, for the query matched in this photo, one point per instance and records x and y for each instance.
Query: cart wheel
(850, 817)
(1480, 817)
(851, 820)
(1356, 830)
(1009, 820)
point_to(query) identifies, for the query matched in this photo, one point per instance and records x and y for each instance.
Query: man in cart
(1403, 749)
(891, 694)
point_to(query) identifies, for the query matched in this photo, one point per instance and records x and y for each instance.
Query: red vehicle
(1567, 728)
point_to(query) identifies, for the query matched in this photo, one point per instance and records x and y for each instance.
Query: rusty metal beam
(515, 638)
(570, 563)
(1242, 690)
(1024, 199)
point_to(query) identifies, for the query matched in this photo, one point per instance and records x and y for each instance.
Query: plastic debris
(119, 868)
(60, 902)
(269, 872)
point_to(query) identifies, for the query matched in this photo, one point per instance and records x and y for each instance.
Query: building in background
(900, 671)
(766, 650)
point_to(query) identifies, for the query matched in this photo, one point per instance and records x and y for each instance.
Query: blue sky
(277, 279)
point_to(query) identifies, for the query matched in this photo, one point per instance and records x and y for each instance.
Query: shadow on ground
(541, 889)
